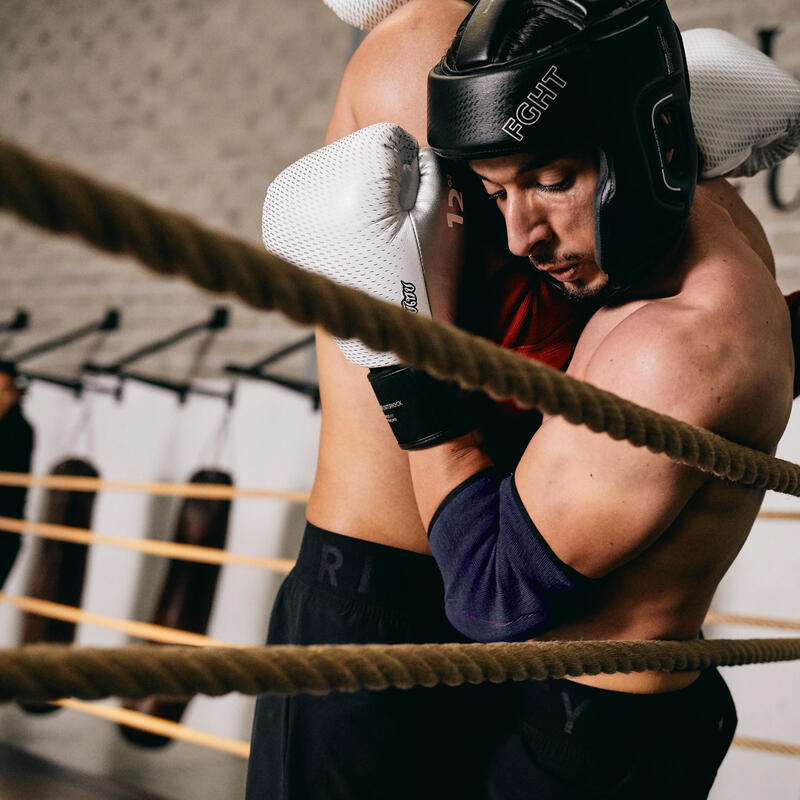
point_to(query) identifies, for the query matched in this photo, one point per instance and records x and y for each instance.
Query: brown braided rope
(60, 199)
(46, 672)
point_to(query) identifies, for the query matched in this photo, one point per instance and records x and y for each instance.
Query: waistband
(570, 713)
(364, 570)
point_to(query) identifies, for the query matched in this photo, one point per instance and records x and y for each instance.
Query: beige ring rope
(61, 199)
(47, 672)
(161, 727)
(141, 630)
(722, 618)
(779, 748)
(208, 491)
(184, 552)
(210, 555)
(779, 515)
(78, 483)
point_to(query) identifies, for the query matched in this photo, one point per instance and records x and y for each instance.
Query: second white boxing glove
(745, 108)
(374, 212)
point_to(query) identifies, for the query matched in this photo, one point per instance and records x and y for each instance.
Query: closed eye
(561, 186)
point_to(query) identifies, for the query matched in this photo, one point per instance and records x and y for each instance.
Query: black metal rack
(218, 321)
(19, 322)
(109, 322)
(309, 389)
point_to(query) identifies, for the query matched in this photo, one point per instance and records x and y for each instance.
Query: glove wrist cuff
(423, 411)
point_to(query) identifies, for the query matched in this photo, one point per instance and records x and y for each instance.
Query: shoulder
(726, 198)
(386, 78)
(649, 356)
(711, 364)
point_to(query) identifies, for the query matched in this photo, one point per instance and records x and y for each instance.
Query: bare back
(363, 487)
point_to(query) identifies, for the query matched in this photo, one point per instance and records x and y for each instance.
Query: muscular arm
(596, 503)
(362, 485)
(386, 79)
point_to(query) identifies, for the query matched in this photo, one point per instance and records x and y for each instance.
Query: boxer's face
(548, 209)
(9, 393)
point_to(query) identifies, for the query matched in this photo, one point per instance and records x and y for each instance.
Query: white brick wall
(196, 105)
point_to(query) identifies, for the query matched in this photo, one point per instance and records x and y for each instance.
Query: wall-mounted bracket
(217, 321)
(19, 322)
(308, 388)
(109, 322)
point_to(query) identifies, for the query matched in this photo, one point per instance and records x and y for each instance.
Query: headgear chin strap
(618, 83)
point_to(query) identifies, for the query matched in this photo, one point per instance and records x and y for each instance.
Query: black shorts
(575, 742)
(416, 743)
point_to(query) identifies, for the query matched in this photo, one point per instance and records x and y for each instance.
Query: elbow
(470, 617)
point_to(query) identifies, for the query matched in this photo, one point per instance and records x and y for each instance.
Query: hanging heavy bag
(188, 592)
(59, 567)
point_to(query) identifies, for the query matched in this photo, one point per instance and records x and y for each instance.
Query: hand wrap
(423, 411)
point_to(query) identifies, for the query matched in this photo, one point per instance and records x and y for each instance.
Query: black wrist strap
(423, 411)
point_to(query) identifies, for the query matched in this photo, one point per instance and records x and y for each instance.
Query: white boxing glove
(745, 108)
(363, 14)
(374, 212)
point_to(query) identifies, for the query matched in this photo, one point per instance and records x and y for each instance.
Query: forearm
(436, 471)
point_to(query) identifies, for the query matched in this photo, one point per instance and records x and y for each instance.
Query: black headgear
(617, 83)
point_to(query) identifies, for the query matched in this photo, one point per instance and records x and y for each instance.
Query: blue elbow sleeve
(502, 581)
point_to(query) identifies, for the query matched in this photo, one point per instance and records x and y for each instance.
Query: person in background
(16, 448)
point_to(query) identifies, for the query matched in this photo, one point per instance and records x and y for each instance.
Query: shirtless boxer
(591, 538)
(361, 496)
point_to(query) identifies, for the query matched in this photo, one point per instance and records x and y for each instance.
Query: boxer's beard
(575, 290)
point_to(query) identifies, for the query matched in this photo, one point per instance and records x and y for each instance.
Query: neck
(664, 280)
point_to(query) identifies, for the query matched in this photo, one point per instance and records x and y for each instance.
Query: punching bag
(59, 567)
(188, 592)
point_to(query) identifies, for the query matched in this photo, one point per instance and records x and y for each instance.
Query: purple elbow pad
(502, 581)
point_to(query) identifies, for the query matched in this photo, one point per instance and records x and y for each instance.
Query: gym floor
(68, 756)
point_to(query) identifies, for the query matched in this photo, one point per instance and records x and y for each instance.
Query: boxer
(365, 493)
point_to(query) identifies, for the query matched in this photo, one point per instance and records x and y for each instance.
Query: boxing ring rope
(211, 555)
(39, 673)
(60, 199)
(160, 727)
(722, 618)
(141, 630)
(79, 483)
(765, 746)
(206, 491)
(779, 515)
(184, 552)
